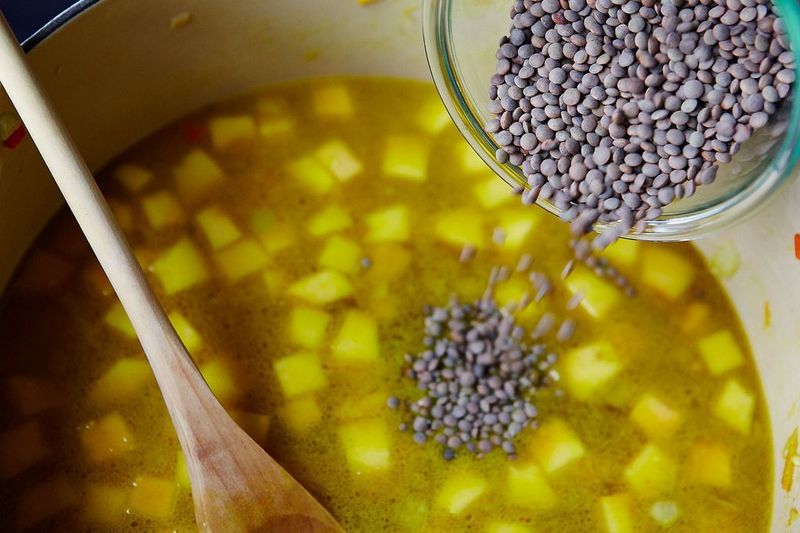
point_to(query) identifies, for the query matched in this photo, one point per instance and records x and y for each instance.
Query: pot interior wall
(118, 72)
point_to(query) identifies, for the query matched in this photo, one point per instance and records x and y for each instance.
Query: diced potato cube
(133, 177)
(735, 406)
(357, 341)
(124, 379)
(655, 418)
(710, 464)
(275, 127)
(461, 227)
(652, 472)
(307, 326)
(459, 491)
(274, 236)
(230, 130)
(366, 445)
(44, 500)
(241, 259)
(197, 174)
(221, 380)
(589, 368)
(341, 254)
(162, 209)
(339, 160)
(599, 295)
(311, 175)
(528, 487)
(666, 271)
(513, 291)
(665, 513)
(616, 512)
(105, 504)
(117, 318)
(555, 445)
(107, 438)
(21, 448)
(189, 336)
(369, 406)
(517, 225)
(323, 287)
(152, 497)
(388, 261)
(622, 253)
(182, 478)
(470, 161)
(390, 224)
(720, 351)
(254, 424)
(507, 527)
(406, 157)
(432, 116)
(332, 101)
(695, 316)
(331, 219)
(218, 227)
(491, 192)
(302, 414)
(180, 267)
(32, 396)
(300, 373)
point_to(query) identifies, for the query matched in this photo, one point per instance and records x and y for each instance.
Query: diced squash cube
(406, 157)
(274, 236)
(517, 225)
(117, 318)
(21, 448)
(189, 336)
(275, 280)
(513, 291)
(152, 497)
(369, 406)
(366, 445)
(599, 295)
(710, 464)
(105, 504)
(666, 271)
(652, 472)
(735, 406)
(221, 380)
(388, 261)
(162, 209)
(332, 101)
(133, 177)
(241, 259)
(122, 381)
(622, 253)
(302, 414)
(197, 174)
(218, 227)
(254, 424)
(44, 500)
(180, 267)
(655, 418)
(357, 340)
(337, 157)
(616, 513)
(107, 438)
(460, 227)
(311, 175)
(331, 219)
(491, 192)
(324, 287)
(470, 161)
(432, 116)
(390, 224)
(665, 513)
(459, 491)
(300, 373)
(589, 368)
(341, 254)
(32, 396)
(555, 445)
(307, 326)
(507, 527)
(720, 351)
(230, 130)
(695, 316)
(527, 487)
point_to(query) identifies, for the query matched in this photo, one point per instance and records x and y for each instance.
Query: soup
(294, 249)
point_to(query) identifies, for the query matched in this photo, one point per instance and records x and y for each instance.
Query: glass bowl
(461, 38)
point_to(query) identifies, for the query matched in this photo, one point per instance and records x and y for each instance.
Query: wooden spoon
(236, 485)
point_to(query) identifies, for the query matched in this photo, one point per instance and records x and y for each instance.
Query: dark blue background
(27, 16)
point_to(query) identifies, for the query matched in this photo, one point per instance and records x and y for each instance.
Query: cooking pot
(118, 70)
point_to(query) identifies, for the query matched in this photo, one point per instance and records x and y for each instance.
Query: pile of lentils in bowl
(614, 109)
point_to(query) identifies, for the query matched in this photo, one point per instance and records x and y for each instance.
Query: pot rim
(56, 23)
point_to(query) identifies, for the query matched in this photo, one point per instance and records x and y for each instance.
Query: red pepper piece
(16, 137)
(194, 132)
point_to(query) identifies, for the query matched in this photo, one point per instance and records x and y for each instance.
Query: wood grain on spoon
(236, 485)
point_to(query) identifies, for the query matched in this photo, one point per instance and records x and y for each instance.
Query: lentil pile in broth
(295, 237)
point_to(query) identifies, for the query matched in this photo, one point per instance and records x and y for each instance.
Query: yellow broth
(231, 210)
